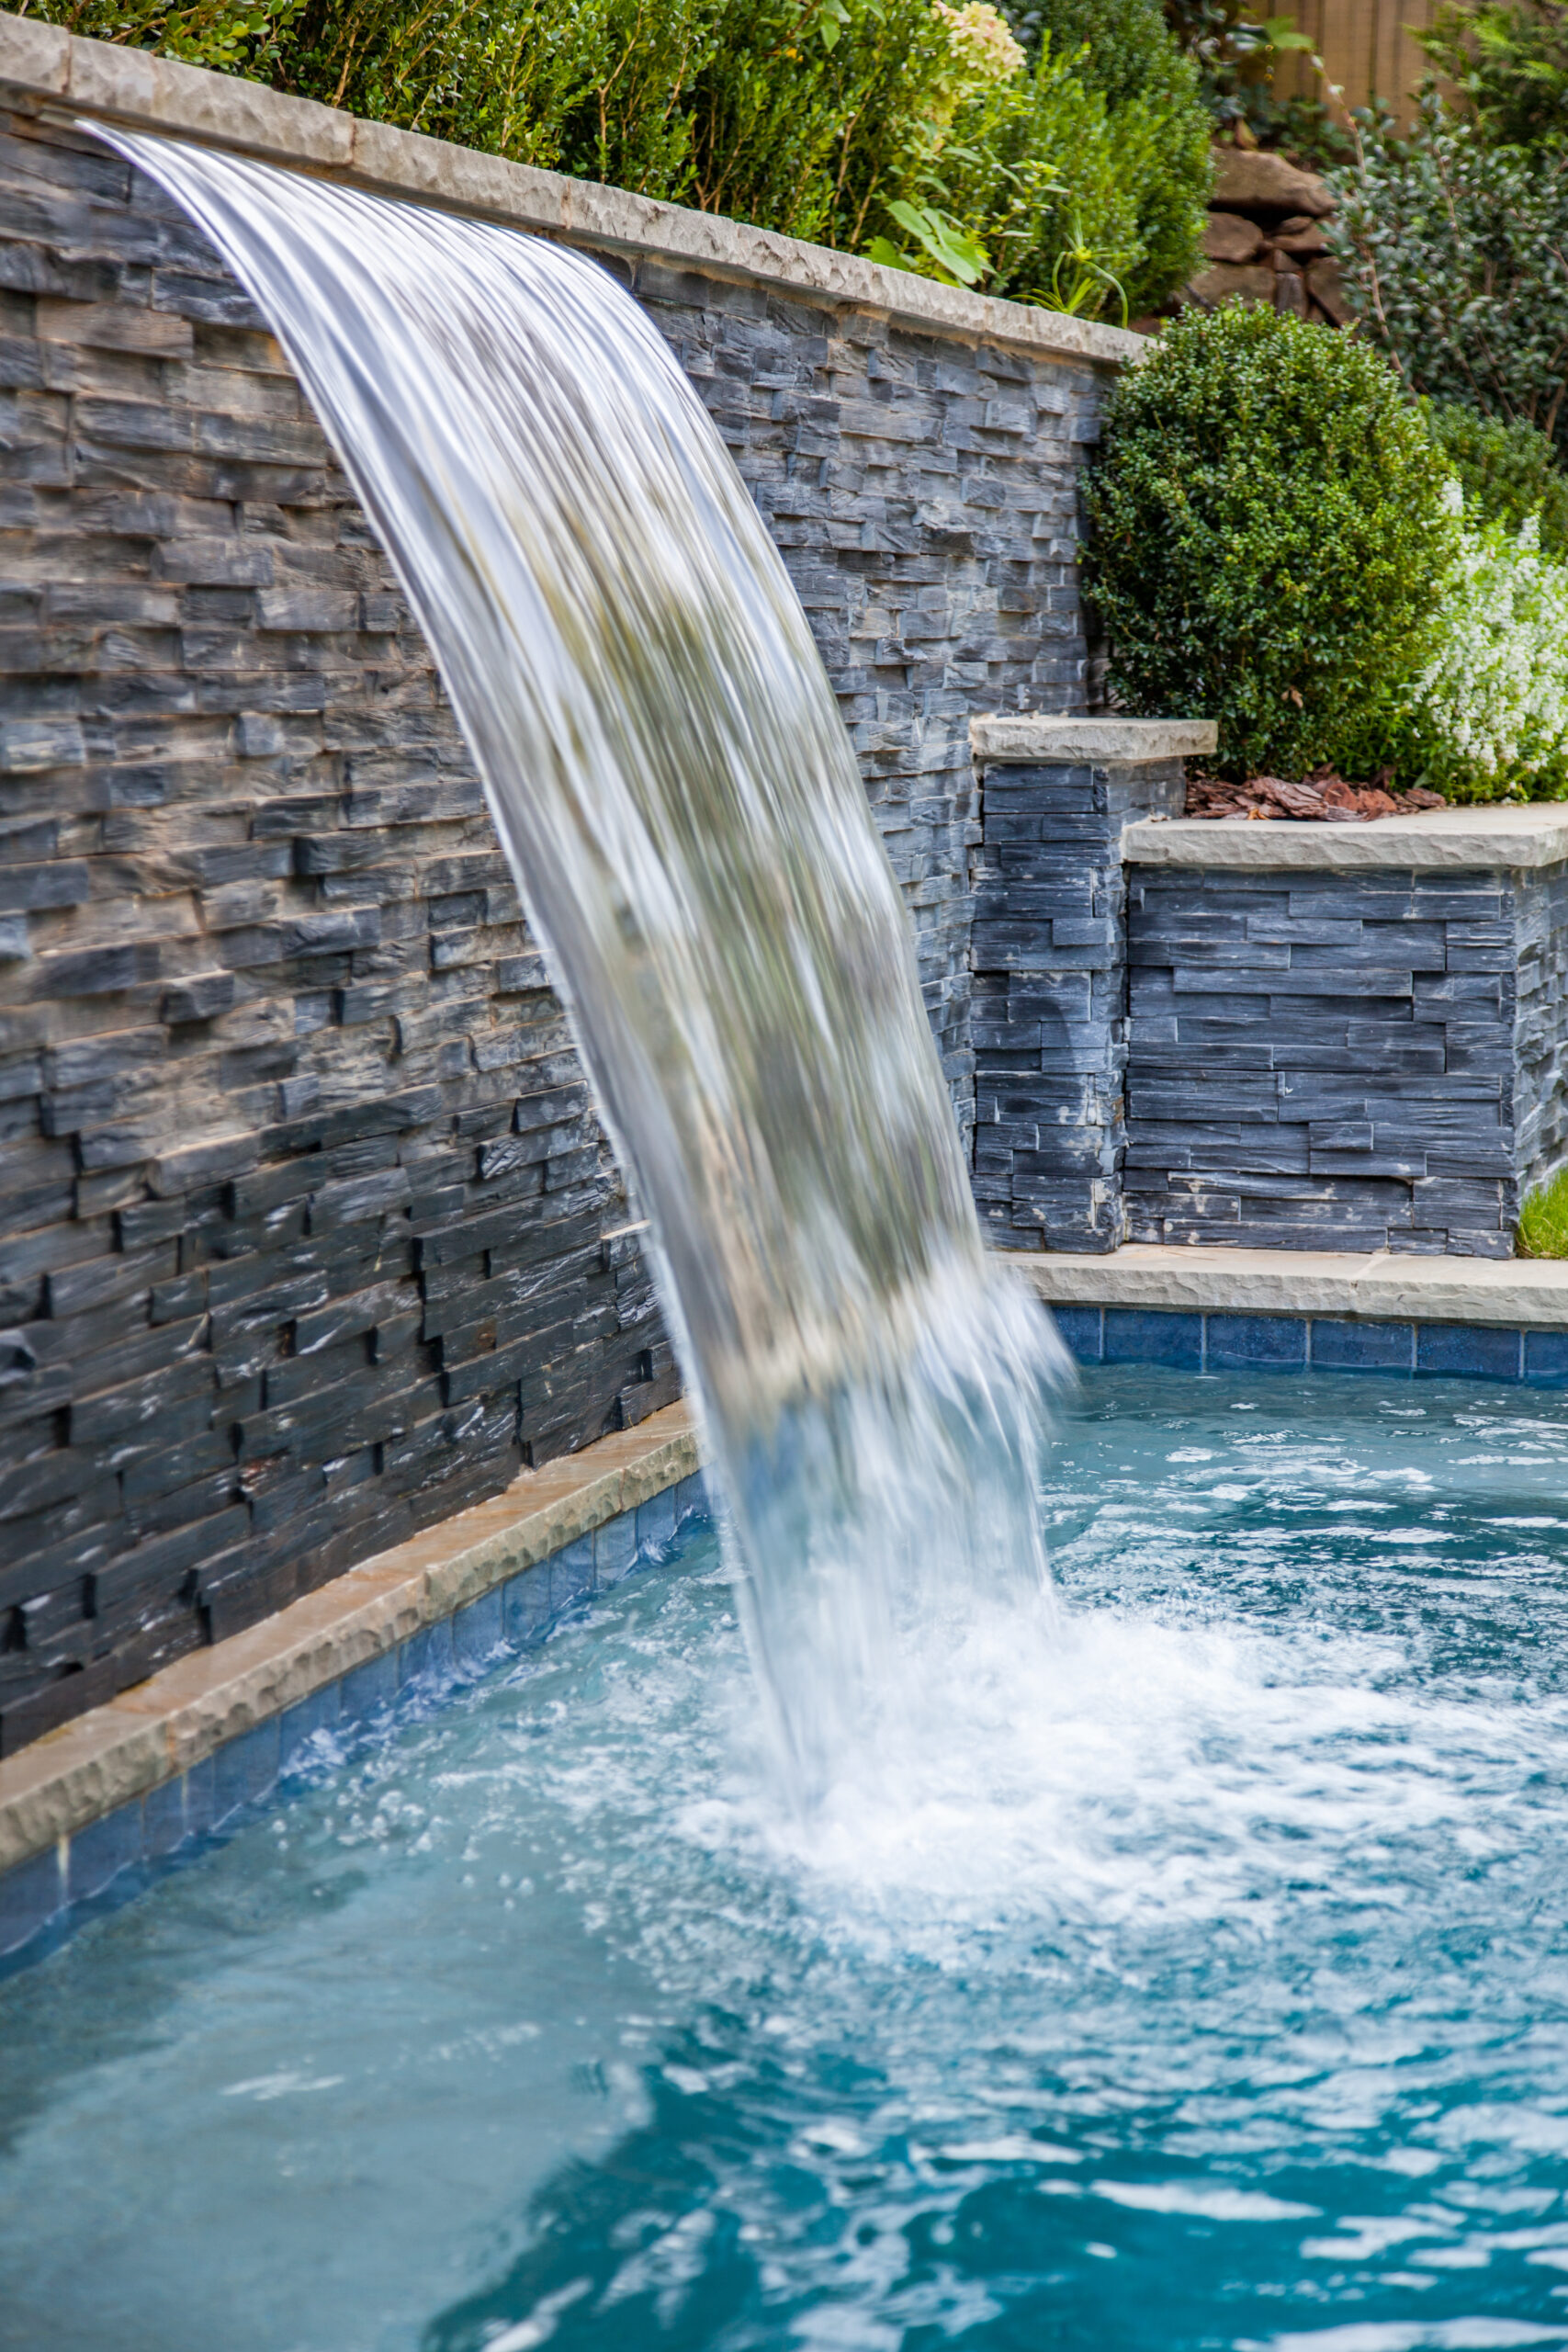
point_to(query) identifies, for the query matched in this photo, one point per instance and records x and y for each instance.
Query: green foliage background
(1454, 256)
(1078, 183)
(1508, 472)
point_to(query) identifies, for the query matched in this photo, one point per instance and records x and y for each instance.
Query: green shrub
(592, 89)
(1508, 472)
(228, 36)
(1454, 257)
(1158, 130)
(1269, 536)
(1543, 1221)
(1507, 59)
(1031, 172)
(910, 127)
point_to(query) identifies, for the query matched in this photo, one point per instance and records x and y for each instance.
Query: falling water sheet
(677, 796)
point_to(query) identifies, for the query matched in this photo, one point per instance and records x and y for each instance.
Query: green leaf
(947, 243)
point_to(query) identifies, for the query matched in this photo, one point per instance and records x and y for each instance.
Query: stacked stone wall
(308, 1233)
(1050, 1023)
(1540, 1090)
(1326, 1060)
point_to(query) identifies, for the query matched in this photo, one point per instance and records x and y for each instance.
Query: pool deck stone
(1524, 1293)
(214, 1702)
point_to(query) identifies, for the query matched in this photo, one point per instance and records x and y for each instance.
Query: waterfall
(678, 798)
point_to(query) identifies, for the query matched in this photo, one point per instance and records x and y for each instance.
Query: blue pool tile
(571, 1574)
(163, 1819)
(656, 1526)
(30, 1896)
(297, 1724)
(477, 1632)
(1148, 1335)
(1265, 1343)
(201, 1797)
(427, 1656)
(367, 1690)
(1546, 1357)
(1467, 1351)
(1339, 1345)
(102, 1850)
(525, 1605)
(244, 1770)
(692, 1499)
(1080, 1331)
(615, 1550)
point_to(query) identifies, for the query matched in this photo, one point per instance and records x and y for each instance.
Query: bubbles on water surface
(1192, 1978)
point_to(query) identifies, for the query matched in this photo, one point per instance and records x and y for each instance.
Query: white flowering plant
(1487, 716)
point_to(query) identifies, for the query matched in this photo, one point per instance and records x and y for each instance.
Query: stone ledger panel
(308, 1234)
(1050, 1022)
(1343, 1060)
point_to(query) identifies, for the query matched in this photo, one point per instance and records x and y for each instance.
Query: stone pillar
(1050, 956)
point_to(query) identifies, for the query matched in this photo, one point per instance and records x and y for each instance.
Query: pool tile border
(1214, 1309)
(180, 1755)
(1182, 1341)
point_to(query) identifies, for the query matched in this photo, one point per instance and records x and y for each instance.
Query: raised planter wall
(1281, 1035)
(1346, 1047)
(309, 1235)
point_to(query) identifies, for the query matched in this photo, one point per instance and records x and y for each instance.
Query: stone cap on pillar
(1099, 742)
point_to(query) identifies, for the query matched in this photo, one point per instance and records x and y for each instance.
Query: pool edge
(1216, 1309)
(131, 1779)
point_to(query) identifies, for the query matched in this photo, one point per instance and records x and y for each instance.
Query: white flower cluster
(982, 43)
(1494, 698)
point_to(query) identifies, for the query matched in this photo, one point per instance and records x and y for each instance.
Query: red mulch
(1324, 797)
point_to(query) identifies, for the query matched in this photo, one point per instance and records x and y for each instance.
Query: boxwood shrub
(1269, 536)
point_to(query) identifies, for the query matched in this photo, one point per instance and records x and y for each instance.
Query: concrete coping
(1522, 1293)
(49, 70)
(1436, 839)
(159, 1729)
(1104, 742)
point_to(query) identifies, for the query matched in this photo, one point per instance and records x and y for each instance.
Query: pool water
(1188, 1971)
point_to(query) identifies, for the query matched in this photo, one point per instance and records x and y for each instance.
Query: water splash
(668, 772)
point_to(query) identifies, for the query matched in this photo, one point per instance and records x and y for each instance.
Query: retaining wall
(1347, 1055)
(1281, 1035)
(308, 1234)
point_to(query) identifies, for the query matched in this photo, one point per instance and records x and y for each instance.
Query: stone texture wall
(1050, 1022)
(308, 1231)
(1540, 1034)
(1341, 1061)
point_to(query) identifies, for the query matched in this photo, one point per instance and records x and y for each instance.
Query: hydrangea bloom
(982, 43)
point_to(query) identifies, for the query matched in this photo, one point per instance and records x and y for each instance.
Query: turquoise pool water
(1191, 1973)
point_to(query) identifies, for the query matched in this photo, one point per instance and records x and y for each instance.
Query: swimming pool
(1188, 1972)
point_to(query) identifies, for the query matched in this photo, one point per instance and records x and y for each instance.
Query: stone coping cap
(60, 71)
(1520, 1293)
(1435, 839)
(159, 1729)
(1122, 742)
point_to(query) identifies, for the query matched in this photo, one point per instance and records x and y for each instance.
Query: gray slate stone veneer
(308, 1234)
(1050, 1023)
(1343, 1060)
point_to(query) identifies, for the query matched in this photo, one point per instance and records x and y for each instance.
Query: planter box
(1286, 1036)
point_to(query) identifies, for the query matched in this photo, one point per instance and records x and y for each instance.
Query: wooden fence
(1366, 46)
